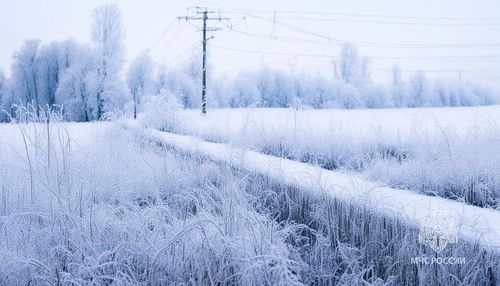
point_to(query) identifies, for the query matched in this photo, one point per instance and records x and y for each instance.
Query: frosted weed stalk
(44, 142)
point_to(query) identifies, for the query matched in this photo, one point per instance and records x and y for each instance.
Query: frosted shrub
(161, 111)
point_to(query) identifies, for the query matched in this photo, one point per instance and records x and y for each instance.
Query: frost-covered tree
(185, 82)
(161, 79)
(355, 89)
(3, 96)
(264, 84)
(322, 93)
(465, 94)
(347, 96)
(355, 83)
(418, 90)
(398, 88)
(107, 36)
(85, 80)
(192, 67)
(315, 91)
(180, 83)
(349, 63)
(484, 94)
(49, 70)
(283, 89)
(377, 96)
(25, 74)
(140, 78)
(302, 88)
(351, 66)
(69, 53)
(78, 85)
(441, 93)
(3, 82)
(243, 91)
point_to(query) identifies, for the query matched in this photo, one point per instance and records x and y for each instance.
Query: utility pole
(202, 14)
(204, 69)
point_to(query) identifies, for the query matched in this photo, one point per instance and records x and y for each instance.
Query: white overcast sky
(434, 36)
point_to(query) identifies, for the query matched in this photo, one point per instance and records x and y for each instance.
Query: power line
(163, 34)
(374, 44)
(274, 21)
(254, 66)
(430, 58)
(274, 53)
(276, 17)
(178, 40)
(472, 57)
(168, 44)
(337, 58)
(178, 46)
(384, 22)
(440, 71)
(181, 53)
(273, 12)
(471, 78)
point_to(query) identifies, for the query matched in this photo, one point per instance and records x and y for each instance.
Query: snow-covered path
(475, 223)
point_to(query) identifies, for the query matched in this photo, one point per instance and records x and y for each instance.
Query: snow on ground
(476, 224)
(448, 152)
(98, 203)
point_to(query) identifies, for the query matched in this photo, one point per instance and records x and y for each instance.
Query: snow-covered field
(100, 203)
(449, 152)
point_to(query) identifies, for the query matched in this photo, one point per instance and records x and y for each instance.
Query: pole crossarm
(201, 18)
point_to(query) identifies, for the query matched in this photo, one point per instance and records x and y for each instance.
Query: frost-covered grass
(98, 204)
(349, 238)
(449, 152)
(108, 209)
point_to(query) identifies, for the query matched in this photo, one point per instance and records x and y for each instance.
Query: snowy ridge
(475, 223)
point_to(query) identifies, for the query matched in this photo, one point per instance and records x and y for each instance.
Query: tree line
(350, 87)
(85, 81)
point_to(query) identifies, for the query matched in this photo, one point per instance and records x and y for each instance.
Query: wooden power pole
(204, 69)
(202, 14)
